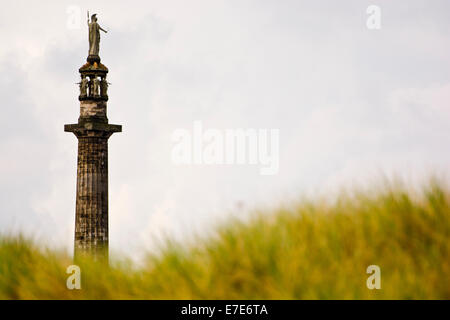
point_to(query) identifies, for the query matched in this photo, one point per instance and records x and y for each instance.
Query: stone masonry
(93, 132)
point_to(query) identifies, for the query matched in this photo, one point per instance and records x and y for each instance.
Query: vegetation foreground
(313, 250)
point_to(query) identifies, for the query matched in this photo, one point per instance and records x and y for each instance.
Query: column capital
(94, 129)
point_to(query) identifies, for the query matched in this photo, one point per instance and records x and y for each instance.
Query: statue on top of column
(94, 35)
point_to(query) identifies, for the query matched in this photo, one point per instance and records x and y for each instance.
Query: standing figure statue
(83, 87)
(94, 35)
(95, 87)
(91, 87)
(104, 88)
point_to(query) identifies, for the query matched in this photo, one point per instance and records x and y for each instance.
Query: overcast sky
(350, 103)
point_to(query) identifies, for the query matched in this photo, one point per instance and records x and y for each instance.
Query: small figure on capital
(95, 87)
(84, 83)
(104, 87)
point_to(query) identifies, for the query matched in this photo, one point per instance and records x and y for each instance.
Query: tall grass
(313, 250)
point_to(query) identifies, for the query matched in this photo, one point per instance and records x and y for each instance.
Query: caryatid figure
(94, 35)
(95, 87)
(83, 87)
(104, 87)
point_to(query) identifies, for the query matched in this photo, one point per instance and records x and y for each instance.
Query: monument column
(93, 132)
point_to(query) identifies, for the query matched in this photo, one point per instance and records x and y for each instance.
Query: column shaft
(91, 225)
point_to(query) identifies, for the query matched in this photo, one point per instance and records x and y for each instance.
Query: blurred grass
(312, 250)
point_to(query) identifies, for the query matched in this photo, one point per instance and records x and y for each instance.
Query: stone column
(91, 218)
(93, 132)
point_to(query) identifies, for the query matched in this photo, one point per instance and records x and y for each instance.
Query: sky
(352, 104)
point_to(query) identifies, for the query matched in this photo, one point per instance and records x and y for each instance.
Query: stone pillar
(91, 226)
(93, 132)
